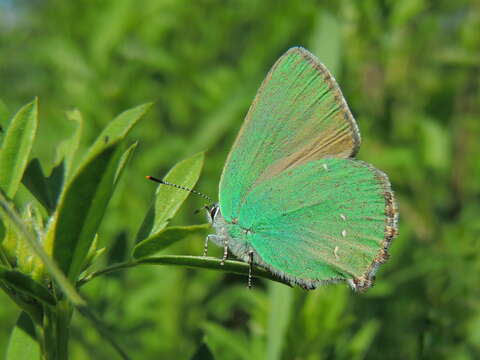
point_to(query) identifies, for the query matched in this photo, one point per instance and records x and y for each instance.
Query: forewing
(324, 220)
(298, 115)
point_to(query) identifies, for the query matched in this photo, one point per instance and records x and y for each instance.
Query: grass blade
(281, 299)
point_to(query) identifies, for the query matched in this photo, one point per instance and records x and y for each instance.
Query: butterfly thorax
(232, 233)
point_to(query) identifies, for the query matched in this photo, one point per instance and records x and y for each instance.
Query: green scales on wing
(290, 192)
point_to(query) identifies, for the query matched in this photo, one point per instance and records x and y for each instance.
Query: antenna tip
(155, 179)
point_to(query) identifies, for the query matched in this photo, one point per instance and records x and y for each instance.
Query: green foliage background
(410, 71)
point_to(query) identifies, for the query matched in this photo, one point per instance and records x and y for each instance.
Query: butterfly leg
(250, 269)
(225, 251)
(205, 246)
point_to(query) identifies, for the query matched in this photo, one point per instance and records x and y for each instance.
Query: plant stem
(233, 266)
(56, 331)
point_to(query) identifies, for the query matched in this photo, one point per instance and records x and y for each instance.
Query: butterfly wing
(297, 116)
(329, 219)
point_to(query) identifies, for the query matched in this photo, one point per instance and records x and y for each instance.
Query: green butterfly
(292, 198)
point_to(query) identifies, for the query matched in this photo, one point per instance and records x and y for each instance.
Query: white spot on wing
(343, 217)
(344, 233)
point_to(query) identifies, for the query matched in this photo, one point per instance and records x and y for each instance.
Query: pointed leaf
(117, 129)
(124, 161)
(47, 190)
(87, 194)
(169, 199)
(26, 285)
(167, 237)
(23, 344)
(16, 148)
(93, 253)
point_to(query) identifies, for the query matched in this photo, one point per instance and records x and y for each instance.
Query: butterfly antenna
(160, 181)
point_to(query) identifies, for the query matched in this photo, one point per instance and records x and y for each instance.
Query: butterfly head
(212, 211)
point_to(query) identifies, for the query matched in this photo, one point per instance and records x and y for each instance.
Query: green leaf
(47, 190)
(169, 199)
(23, 344)
(119, 127)
(93, 253)
(16, 148)
(124, 161)
(68, 289)
(280, 309)
(15, 223)
(167, 237)
(87, 194)
(36, 183)
(26, 285)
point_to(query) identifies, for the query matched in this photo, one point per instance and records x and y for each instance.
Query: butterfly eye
(213, 211)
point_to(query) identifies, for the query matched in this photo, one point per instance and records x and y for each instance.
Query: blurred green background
(410, 71)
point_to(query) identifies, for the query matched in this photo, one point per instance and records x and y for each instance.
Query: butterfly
(292, 198)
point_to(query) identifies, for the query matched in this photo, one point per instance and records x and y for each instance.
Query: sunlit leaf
(16, 147)
(86, 197)
(169, 199)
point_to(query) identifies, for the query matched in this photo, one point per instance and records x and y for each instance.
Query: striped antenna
(160, 181)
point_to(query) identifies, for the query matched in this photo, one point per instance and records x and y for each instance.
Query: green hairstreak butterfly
(292, 197)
